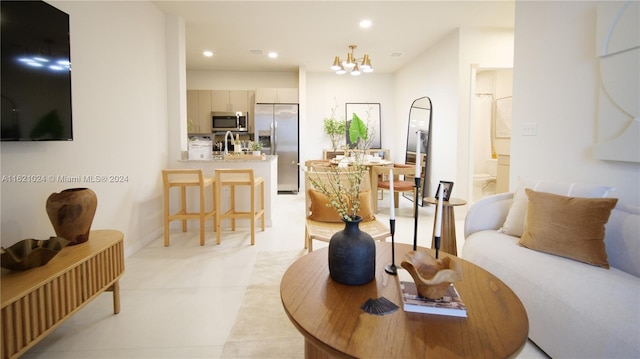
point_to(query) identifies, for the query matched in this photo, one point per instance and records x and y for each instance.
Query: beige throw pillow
(571, 227)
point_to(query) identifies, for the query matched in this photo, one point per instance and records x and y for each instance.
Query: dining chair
(403, 175)
(319, 165)
(322, 222)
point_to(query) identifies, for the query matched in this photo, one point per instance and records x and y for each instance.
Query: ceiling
(308, 34)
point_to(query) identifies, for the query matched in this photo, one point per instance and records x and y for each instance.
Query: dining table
(368, 163)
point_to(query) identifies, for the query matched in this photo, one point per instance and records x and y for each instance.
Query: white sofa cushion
(622, 239)
(575, 310)
(514, 224)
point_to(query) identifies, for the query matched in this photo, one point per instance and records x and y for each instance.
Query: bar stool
(234, 178)
(184, 178)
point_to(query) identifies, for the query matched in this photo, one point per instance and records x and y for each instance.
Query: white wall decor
(618, 49)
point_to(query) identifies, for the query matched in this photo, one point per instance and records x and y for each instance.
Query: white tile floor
(182, 301)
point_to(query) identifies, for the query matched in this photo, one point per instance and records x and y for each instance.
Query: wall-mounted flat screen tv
(36, 72)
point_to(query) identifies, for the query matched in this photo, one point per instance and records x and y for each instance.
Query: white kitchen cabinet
(230, 101)
(277, 95)
(199, 111)
(220, 101)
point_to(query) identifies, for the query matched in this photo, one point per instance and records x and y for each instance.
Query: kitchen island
(265, 167)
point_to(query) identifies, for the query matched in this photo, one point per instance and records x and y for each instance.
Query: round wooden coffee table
(329, 317)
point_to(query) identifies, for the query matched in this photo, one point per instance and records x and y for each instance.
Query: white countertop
(265, 158)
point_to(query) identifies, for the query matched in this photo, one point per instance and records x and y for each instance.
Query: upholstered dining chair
(322, 222)
(403, 175)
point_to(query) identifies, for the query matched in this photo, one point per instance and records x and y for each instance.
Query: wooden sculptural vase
(432, 276)
(71, 213)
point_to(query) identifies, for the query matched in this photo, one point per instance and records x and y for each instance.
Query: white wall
(239, 80)
(325, 90)
(556, 86)
(120, 126)
(433, 74)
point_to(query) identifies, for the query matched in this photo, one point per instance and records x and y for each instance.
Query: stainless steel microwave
(230, 121)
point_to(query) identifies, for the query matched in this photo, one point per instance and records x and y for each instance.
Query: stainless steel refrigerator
(276, 126)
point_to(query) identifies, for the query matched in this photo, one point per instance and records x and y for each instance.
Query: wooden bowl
(432, 276)
(30, 253)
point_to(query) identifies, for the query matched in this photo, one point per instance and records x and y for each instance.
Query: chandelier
(351, 64)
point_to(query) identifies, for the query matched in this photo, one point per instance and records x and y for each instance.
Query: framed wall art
(503, 117)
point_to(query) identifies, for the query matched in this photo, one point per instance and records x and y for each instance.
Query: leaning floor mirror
(420, 116)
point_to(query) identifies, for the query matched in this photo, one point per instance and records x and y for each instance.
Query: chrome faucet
(226, 150)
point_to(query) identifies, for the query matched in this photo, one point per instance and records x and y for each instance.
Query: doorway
(490, 125)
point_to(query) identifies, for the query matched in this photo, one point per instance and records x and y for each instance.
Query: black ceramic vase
(352, 255)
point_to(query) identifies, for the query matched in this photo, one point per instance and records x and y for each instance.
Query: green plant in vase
(255, 146)
(335, 129)
(359, 135)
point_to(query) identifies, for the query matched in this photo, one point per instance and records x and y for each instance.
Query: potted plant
(335, 129)
(352, 252)
(256, 147)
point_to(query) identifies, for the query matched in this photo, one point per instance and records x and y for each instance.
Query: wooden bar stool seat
(233, 178)
(184, 178)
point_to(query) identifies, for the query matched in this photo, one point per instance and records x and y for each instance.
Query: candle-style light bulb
(392, 210)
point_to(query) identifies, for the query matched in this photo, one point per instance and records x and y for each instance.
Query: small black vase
(352, 255)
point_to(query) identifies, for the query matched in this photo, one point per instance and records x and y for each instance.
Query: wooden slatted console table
(36, 301)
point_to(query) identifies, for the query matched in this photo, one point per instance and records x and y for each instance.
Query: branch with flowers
(343, 185)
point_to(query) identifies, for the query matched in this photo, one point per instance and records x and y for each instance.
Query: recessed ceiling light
(365, 24)
(273, 55)
(207, 53)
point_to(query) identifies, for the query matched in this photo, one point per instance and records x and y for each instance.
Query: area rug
(262, 328)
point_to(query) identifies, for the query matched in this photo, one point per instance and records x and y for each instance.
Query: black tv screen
(36, 72)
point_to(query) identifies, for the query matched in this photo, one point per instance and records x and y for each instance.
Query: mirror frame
(425, 149)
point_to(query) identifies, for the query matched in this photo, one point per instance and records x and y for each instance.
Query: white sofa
(575, 310)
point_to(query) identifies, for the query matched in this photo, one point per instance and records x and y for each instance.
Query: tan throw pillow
(571, 227)
(321, 210)
(514, 223)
